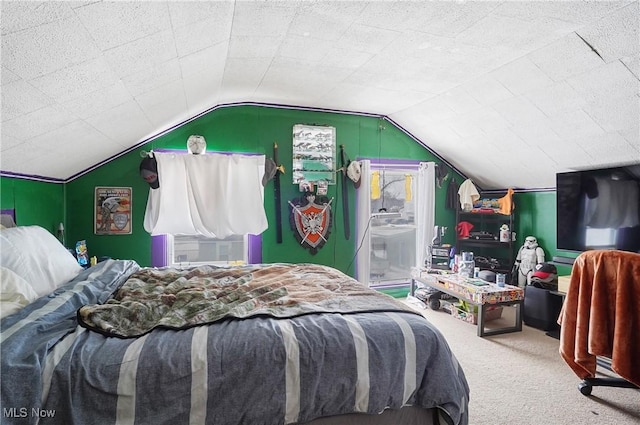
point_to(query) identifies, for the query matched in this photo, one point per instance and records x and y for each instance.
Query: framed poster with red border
(112, 211)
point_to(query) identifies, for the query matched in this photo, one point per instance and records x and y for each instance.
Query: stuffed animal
(529, 256)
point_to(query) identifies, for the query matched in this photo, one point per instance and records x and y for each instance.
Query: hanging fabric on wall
(425, 210)
(468, 195)
(408, 195)
(451, 201)
(506, 203)
(362, 259)
(215, 195)
(375, 185)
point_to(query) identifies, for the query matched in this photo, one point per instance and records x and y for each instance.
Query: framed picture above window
(314, 154)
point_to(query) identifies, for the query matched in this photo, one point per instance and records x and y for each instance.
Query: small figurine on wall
(529, 256)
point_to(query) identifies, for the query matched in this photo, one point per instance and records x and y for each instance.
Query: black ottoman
(541, 308)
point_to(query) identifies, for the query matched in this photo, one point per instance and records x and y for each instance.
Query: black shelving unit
(499, 256)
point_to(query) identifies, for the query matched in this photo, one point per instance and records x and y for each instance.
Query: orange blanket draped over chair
(601, 314)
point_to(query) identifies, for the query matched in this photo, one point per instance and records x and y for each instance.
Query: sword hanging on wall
(345, 194)
(276, 192)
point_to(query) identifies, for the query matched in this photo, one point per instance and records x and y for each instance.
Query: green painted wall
(253, 129)
(121, 172)
(535, 215)
(247, 129)
(34, 202)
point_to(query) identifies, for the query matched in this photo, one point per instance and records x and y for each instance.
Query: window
(192, 250)
(393, 225)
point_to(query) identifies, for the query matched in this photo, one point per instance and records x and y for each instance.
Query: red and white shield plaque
(312, 223)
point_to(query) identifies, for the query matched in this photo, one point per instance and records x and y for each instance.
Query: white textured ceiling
(508, 92)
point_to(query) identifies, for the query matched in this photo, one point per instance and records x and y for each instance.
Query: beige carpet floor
(520, 379)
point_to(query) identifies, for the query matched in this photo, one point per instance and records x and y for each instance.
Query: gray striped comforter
(258, 371)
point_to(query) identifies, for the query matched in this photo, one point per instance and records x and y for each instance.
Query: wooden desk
(465, 289)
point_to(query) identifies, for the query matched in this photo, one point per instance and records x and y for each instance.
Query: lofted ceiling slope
(507, 92)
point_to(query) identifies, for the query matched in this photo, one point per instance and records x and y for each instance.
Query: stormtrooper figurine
(529, 256)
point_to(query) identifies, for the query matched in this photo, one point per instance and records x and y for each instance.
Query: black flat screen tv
(599, 209)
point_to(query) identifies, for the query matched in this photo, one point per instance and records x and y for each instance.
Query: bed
(265, 344)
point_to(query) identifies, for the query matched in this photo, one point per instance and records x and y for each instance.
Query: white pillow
(38, 257)
(15, 292)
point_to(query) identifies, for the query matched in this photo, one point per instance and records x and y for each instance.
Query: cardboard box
(492, 312)
(563, 283)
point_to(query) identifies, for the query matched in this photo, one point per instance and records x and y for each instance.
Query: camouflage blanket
(179, 299)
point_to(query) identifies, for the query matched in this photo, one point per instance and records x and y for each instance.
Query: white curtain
(363, 220)
(215, 195)
(425, 210)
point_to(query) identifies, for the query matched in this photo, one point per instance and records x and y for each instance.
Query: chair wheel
(585, 389)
